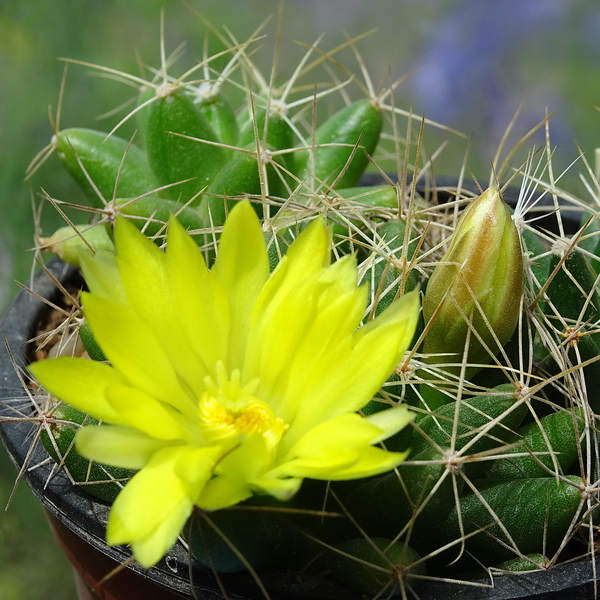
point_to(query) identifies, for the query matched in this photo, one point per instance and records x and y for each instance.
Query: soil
(58, 325)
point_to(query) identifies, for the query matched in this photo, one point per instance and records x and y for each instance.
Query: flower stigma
(228, 411)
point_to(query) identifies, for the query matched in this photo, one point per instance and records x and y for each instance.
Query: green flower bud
(479, 282)
(68, 245)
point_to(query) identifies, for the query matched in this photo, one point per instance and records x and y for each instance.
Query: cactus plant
(502, 447)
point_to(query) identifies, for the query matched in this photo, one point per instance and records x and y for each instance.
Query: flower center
(227, 410)
(219, 423)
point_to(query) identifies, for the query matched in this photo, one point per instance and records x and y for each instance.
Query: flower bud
(477, 284)
(68, 244)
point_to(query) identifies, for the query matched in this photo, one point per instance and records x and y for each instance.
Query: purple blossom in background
(471, 73)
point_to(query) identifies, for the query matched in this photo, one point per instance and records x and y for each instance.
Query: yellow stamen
(219, 423)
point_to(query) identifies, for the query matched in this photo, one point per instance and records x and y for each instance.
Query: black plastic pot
(79, 521)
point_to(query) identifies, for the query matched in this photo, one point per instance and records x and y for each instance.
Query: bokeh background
(474, 61)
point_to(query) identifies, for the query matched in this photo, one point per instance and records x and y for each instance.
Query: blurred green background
(476, 61)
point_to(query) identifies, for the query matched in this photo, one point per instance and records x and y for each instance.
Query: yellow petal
(117, 446)
(346, 380)
(234, 473)
(145, 413)
(294, 333)
(152, 508)
(133, 349)
(80, 383)
(321, 349)
(221, 492)
(242, 266)
(143, 268)
(199, 300)
(400, 318)
(306, 257)
(150, 549)
(282, 489)
(390, 421)
(340, 449)
(372, 461)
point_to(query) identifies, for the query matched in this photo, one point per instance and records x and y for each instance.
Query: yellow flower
(227, 382)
